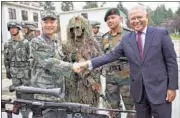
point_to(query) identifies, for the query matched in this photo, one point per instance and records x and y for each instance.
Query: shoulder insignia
(127, 29)
(103, 36)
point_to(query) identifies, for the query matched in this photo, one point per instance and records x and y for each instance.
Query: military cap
(13, 24)
(95, 24)
(48, 14)
(31, 26)
(112, 11)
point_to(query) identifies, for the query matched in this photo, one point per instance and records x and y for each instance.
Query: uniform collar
(119, 32)
(45, 37)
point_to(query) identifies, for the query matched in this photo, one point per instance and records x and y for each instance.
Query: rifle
(67, 105)
(38, 106)
(8, 107)
(33, 90)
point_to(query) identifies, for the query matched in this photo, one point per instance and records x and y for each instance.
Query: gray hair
(140, 7)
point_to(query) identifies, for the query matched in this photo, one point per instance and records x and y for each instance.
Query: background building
(18, 11)
(93, 14)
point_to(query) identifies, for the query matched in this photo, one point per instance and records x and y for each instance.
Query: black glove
(8, 75)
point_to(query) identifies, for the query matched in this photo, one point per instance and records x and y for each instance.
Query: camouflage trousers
(113, 92)
(128, 101)
(20, 76)
(18, 82)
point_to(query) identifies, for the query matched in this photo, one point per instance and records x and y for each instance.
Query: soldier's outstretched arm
(58, 67)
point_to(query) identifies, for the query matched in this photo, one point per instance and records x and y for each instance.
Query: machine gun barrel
(33, 90)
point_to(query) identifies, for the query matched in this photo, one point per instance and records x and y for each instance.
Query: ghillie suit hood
(88, 47)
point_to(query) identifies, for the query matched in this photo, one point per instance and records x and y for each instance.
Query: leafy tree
(177, 20)
(160, 14)
(123, 9)
(103, 3)
(67, 6)
(91, 5)
(178, 11)
(169, 13)
(48, 5)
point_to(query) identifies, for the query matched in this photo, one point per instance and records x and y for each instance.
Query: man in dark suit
(153, 65)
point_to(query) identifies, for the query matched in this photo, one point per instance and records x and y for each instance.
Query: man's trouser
(113, 95)
(127, 99)
(18, 82)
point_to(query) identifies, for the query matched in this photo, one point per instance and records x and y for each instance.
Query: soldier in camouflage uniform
(81, 87)
(117, 73)
(95, 25)
(48, 69)
(16, 60)
(28, 30)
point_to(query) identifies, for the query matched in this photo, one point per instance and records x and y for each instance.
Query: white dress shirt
(143, 36)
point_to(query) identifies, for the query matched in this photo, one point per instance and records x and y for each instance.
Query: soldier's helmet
(48, 14)
(95, 24)
(29, 25)
(13, 24)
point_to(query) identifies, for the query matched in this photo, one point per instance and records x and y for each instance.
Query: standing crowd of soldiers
(42, 62)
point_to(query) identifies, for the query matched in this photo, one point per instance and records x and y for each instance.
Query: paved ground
(176, 104)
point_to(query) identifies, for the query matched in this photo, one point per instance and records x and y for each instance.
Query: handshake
(80, 66)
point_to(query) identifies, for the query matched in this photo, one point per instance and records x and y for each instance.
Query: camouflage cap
(13, 24)
(31, 26)
(48, 14)
(95, 24)
(112, 11)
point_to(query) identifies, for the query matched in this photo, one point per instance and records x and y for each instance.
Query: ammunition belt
(115, 68)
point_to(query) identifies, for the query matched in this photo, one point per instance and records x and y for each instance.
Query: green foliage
(91, 5)
(175, 36)
(122, 9)
(160, 14)
(67, 6)
(103, 3)
(178, 11)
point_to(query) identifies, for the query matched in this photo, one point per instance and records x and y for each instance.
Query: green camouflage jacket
(117, 72)
(48, 69)
(16, 58)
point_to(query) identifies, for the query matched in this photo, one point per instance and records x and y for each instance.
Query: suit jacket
(158, 71)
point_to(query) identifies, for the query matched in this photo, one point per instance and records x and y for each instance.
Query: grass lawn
(175, 37)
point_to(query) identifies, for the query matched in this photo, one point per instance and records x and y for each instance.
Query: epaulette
(104, 34)
(128, 29)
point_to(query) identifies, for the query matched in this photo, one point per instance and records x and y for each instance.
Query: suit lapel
(134, 46)
(148, 41)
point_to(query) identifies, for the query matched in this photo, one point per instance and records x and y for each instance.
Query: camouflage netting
(82, 23)
(78, 88)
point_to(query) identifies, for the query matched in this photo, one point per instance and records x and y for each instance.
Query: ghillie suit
(80, 47)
